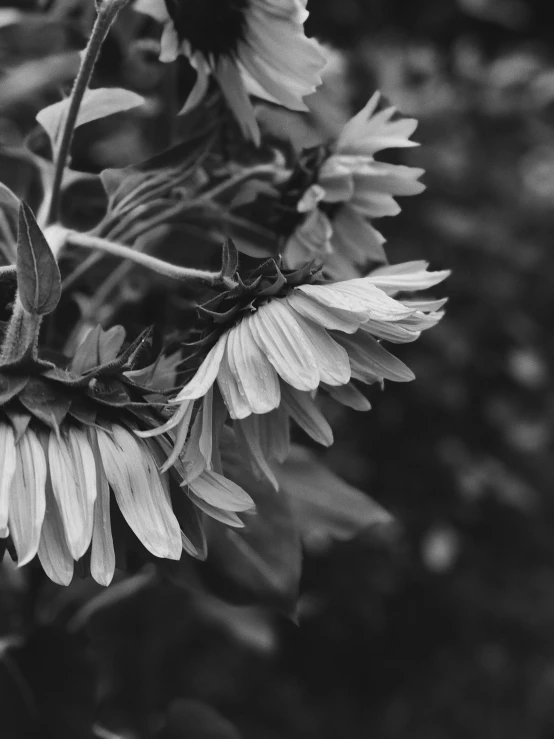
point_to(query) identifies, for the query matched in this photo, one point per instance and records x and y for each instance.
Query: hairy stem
(183, 274)
(21, 335)
(107, 12)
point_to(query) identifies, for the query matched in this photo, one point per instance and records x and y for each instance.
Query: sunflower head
(213, 27)
(245, 294)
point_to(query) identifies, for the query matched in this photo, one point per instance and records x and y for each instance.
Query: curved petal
(279, 335)
(7, 466)
(205, 375)
(27, 498)
(54, 556)
(102, 553)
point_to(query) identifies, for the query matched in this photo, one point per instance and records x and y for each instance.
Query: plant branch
(107, 12)
(183, 274)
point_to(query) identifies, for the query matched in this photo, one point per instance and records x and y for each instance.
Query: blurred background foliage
(442, 627)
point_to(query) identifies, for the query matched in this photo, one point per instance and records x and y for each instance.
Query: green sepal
(10, 386)
(45, 401)
(19, 420)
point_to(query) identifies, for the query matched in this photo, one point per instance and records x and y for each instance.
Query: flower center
(213, 27)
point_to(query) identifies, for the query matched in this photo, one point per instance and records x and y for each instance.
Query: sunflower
(278, 345)
(254, 46)
(69, 443)
(351, 189)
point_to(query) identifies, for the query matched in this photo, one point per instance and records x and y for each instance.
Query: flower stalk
(182, 274)
(107, 12)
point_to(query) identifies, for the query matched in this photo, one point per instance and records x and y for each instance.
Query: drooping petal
(252, 370)
(181, 436)
(279, 335)
(350, 396)
(232, 390)
(53, 553)
(232, 86)
(378, 304)
(27, 498)
(303, 409)
(201, 85)
(247, 433)
(279, 56)
(102, 553)
(222, 493)
(8, 460)
(73, 476)
(371, 362)
(332, 359)
(206, 374)
(135, 480)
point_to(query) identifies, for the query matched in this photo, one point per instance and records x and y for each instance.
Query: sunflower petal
(27, 498)
(8, 460)
(54, 556)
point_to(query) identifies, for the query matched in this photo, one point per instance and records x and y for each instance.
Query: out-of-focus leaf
(51, 686)
(99, 103)
(261, 563)
(99, 347)
(188, 719)
(38, 276)
(325, 507)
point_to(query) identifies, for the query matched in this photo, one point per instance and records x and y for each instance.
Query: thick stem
(183, 274)
(107, 12)
(21, 335)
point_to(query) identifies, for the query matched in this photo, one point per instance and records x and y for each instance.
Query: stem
(21, 334)
(107, 11)
(183, 274)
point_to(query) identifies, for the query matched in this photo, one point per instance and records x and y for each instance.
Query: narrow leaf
(38, 276)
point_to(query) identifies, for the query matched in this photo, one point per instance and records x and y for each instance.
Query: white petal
(350, 396)
(355, 238)
(370, 361)
(205, 375)
(232, 392)
(181, 436)
(252, 370)
(102, 553)
(220, 492)
(201, 85)
(408, 276)
(54, 556)
(279, 335)
(7, 472)
(27, 500)
(325, 315)
(169, 44)
(303, 410)
(247, 433)
(332, 359)
(74, 488)
(138, 489)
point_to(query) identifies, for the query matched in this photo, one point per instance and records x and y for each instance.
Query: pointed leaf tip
(38, 276)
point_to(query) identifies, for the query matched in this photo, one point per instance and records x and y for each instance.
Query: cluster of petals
(269, 363)
(58, 482)
(273, 60)
(358, 188)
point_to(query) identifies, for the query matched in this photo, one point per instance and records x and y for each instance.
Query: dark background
(444, 628)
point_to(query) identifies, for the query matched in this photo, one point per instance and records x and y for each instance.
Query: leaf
(261, 563)
(8, 199)
(38, 276)
(230, 259)
(325, 506)
(96, 104)
(98, 348)
(190, 719)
